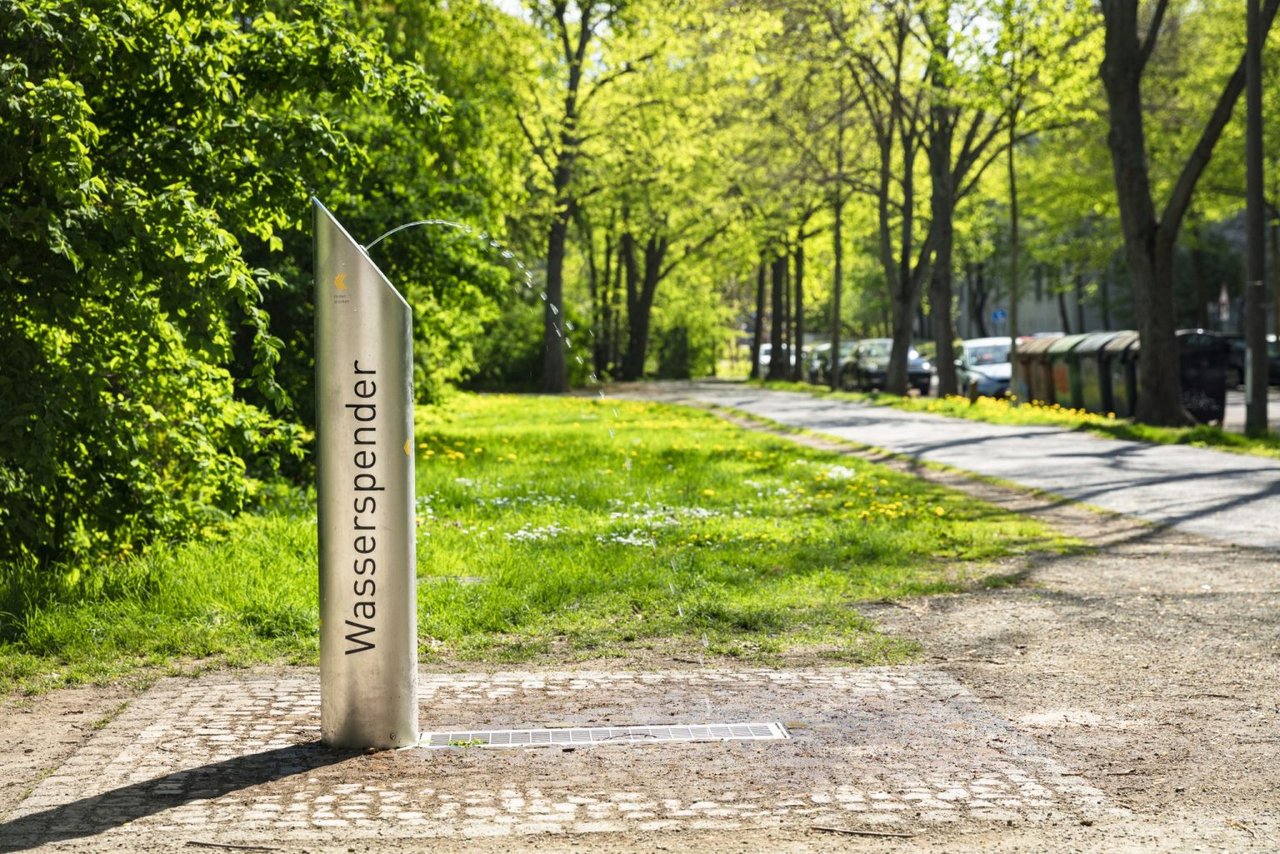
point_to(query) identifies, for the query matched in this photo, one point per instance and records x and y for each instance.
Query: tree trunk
(616, 303)
(777, 363)
(757, 336)
(905, 303)
(1080, 302)
(837, 286)
(641, 311)
(555, 374)
(1255, 421)
(979, 302)
(786, 317)
(1149, 262)
(597, 289)
(797, 370)
(631, 278)
(942, 208)
(837, 249)
(1013, 252)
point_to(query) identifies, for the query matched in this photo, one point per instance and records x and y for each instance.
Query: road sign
(999, 314)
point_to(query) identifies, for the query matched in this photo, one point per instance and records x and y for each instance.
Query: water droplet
(579, 358)
(554, 310)
(568, 324)
(543, 296)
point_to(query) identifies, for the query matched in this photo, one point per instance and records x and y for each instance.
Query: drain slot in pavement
(604, 735)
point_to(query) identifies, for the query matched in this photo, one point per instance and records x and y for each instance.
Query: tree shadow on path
(99, 813)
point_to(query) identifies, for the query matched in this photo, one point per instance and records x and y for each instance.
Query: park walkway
(1228, 497)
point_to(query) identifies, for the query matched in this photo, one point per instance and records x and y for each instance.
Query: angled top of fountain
(328, 228)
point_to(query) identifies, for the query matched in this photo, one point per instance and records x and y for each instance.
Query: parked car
(819, 361)
(868, 367)
(983, 367)
(1235, 360)
(766, 357)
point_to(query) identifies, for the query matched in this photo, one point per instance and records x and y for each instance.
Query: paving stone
(891, 746)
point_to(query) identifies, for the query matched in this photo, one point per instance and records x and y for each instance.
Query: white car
(983, 366)
(766, 356)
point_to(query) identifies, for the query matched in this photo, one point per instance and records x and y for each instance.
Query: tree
(1149, 240)
(556, 137)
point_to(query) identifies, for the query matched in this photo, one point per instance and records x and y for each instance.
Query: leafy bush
(145, 150)
(508, 353)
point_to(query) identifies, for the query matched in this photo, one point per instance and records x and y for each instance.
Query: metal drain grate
(604, 735)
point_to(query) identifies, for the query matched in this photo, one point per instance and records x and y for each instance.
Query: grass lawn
(554, 529)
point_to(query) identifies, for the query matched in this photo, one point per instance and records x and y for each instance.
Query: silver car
(983, 367)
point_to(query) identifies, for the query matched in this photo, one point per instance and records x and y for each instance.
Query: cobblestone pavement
(234, 760)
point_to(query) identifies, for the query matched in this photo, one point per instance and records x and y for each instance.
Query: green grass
(553, 529)
(1007, 411)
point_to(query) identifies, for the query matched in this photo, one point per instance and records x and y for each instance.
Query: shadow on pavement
(99, 813)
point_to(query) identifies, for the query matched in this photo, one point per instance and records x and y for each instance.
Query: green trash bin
(1121, 354)
(1091, 363)
(1066, 378)
(1035, 381)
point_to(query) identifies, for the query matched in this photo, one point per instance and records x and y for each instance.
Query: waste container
(1095, 382)
(1203, 359)
(1062, 368)
(1121, 357)
(1035, 382)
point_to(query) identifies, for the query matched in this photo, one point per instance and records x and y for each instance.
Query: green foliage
(691, 331)
(508, 352)
(463, 170)
(147, 152)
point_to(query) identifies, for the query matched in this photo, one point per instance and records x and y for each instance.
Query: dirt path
(1125, 699)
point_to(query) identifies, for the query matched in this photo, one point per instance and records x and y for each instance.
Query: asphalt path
(1228, 497)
